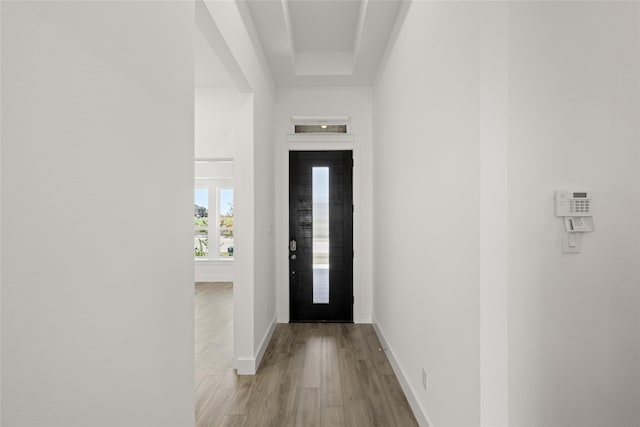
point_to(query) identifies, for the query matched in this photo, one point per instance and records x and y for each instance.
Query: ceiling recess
(324, 42)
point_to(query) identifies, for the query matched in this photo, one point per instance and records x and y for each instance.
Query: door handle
(293, 245)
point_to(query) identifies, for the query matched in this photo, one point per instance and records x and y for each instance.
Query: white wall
(493, 214)
(97, 317)
(354, 102)
(265, 260)
(426, 204)
(1, 210)
(505, 104)
(254, 260)
(574, 104)
(217, 118)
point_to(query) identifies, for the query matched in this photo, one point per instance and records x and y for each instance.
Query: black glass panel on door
(321, 236)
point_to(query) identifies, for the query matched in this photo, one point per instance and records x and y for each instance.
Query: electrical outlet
(425, 380)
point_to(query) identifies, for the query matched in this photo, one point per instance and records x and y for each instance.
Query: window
(320, 215)
(213, 210)
(201, 222)
(225, 223)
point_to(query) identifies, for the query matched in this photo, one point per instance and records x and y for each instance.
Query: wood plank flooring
(312, 374)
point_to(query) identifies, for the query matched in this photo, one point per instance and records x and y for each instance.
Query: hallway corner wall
(254, 173)
(426, 203)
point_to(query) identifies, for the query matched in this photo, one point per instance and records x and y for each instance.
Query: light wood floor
(312, 374)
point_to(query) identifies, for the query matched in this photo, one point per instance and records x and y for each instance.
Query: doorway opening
(223, 120)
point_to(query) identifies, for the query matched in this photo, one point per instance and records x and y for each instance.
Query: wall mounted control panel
(575, 208)
(573, 203)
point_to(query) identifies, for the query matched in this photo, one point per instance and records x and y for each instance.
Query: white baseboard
(246, 366)
(419, 412)
(213, 270)
(208, 278)
(250, 365)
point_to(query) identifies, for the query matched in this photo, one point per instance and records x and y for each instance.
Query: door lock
(293, 245)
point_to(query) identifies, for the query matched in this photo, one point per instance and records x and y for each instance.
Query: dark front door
(321, 236)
